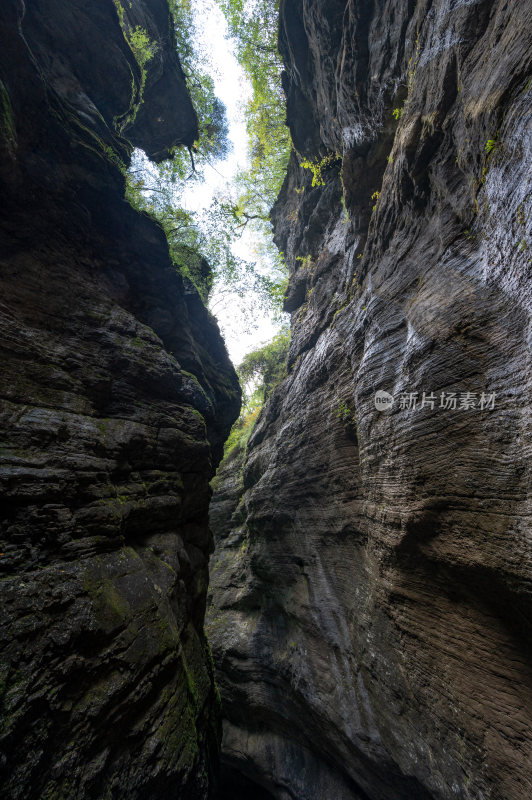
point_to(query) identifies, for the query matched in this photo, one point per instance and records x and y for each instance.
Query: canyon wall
(116, 397)
(370, 609)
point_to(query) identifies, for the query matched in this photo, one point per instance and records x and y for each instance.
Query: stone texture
(371, 595)
(116, 397)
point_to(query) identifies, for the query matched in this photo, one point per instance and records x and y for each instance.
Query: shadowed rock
(370, 613)
(116, 397)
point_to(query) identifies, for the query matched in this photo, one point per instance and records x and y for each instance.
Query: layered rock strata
(370, 612)
(116, 397)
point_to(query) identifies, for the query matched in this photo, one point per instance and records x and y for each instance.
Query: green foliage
(120, 12)
(265, 367)
(200, 238)
(398, 112)
(111, 155)
(346, 416)
(213, 142)
(241, 431)
(269, 270)
(143, 49)
(195, 241)
(259, 373)
(215, 131)
(344, 209)
(490, 144)
(149, 190)
(305, 261)
(319, 167)
(142, 45)
(253, 25)
(199, 242)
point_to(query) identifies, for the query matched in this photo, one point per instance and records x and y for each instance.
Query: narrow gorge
(117, 396)
(349, 617)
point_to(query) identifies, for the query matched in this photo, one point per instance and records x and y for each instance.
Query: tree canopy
(213, 142)
(207, 237)
(264, 368)
(259, 372)
(253, 25)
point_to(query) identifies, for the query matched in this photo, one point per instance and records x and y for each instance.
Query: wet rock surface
(116, 397)
(370, 601)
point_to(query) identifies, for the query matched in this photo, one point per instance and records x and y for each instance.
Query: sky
(233, 89)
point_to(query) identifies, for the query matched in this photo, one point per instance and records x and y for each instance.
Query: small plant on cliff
(241, 431)
(345, 212)
(345, 415)
(306, 262)
(111, 155)
(142, 45)
(143, 49)
(319, 167)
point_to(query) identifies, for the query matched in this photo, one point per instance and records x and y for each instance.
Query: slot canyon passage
(353, 619)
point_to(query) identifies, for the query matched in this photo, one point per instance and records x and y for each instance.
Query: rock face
(116, 397)
(371, 600)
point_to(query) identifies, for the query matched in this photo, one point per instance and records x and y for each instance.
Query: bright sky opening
(233, 89)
